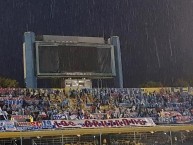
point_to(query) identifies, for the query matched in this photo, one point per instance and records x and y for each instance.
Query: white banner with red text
(91, 123)
(87, 123)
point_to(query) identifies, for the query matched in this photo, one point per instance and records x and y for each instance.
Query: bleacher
(164, 105)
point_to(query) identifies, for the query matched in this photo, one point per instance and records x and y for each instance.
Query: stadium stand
(165, 106)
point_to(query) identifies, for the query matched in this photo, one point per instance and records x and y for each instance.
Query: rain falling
(156, 36)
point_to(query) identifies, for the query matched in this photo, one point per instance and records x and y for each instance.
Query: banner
(60, 116)
(91, 123)
(13, 102)
(2, 128)
(169, 113)
(183, 119)
(47, 124)
(175, 120)
(59, 124)
(7, 126)
(36, 125)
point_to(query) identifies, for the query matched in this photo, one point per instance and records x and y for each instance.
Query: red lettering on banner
(133, 121)
(33, 123)
(95, 123)
(36, 123)
(125, 122)
(64, 123)
(121, 123)
(138, 121)
(142, 122)
(88, 123)
(103, 123)
(111, 122)
(23, 123)
(117, 122)
(57, 124)
(72, 123)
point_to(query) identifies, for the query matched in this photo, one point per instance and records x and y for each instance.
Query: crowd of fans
(50, 104)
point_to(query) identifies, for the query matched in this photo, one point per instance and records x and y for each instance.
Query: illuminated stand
(32, 67)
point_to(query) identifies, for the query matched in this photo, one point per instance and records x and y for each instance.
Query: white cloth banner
(91, 123)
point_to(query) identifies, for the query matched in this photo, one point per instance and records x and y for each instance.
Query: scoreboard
(74, 60)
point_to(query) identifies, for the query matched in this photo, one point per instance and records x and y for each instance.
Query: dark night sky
(156, 35)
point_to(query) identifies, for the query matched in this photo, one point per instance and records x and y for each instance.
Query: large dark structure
(72, 58)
